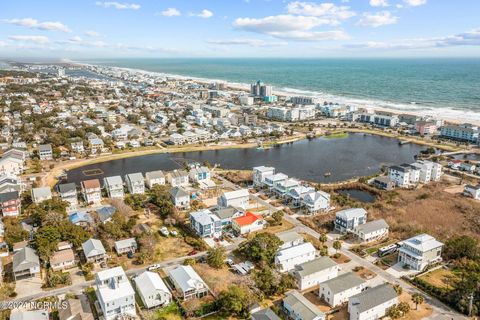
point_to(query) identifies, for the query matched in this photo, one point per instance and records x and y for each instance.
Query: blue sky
(239, 28)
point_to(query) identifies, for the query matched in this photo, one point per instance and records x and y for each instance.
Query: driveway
(28, 286)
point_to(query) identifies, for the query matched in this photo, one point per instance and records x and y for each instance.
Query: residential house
(125, 246)
(289, 239)
(135, 183)
(259, 174)
(296, 195)
(41, 194)
(311, 273)
(265, 314)
(188, 283)
(92, 192)
(384, 183)
(227, 214)
(11, 165)
(237, 198)
(63, 258)
(466, 166)
(77, 147)
(178, 178)
(297, 307)
(45, 152)
(114, 186)
(10, 204)
(25, 263)
(152, 290)
(68, 193)
(336, 291)
(463, 132)
(76, 309)
(429, 171)
(287, 259)
(180, 197)
(347, 220)
(372, 303)
(404, 175)
(250, 222)
(81, 218)
(105, 213)
(420, 251)
(371, 231)
(205, 223)
(153, 178)
(472, 191)
(271, 181)
(199, 174)
(283, 187)
(115, 294)
(94, 251)
(316, 201)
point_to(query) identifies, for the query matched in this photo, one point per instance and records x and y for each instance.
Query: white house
(316, 201)
(296, 195)
(92, 192)
(283, 187)
(180, 198)
(41, 194)
(237, 198)
(404, 175)
(336, 291)
(347, 220)
(135, 183)
(429, 171)
(290, 239)
(152, 290)
(420, 251)
(371, 231)
(188, 282)
(472, 191)
(199, 174)
(114, 186)
(153, 178)
(259, 174)
(125, 246)
(287, 259)
(372, 303)
(68, 193)
(115, 294)
(311, 273)
(94, 251)
(178, 178)
(271, 181)
(297, 307)
(247, 223)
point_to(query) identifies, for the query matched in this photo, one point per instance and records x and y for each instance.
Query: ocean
(445, 87)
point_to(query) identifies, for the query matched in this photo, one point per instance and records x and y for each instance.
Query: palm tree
(337, 245)
(417, 298)
(323, 238)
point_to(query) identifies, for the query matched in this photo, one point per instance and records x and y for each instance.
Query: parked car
(174, 233)
(154, 267)
(164, 231)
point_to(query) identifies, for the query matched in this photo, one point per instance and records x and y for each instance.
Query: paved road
(440, 310)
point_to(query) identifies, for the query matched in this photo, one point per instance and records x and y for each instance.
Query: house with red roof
(250, 222)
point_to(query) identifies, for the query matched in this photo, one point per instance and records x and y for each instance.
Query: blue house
(205, 223)
(80, 218)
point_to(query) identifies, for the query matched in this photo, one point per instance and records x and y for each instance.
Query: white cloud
(34, 39)
(470, 38)
(118, 5)
(35, 24)
(203, 14)
(379, 3)
(92, 33)
(246, 42)
(325, 10)
(376, 20)
(290, 27)
(415, 3)
(170, 12)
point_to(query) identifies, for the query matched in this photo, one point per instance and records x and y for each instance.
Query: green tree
(14, 231)
(337, 245)
(322, 238)
(46, 241)
(277, 217)
(262, 248)
(461, 247)
(398, 289)
(266, 281)
(417, 298)
(216, 257)
(393, 312)
(234, 301)
(404, 307)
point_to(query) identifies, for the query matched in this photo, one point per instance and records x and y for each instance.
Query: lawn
(423, 311)
(219, 279)
(440, 278)
(170, 312)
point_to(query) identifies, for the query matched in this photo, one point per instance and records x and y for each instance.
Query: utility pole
(470, 305)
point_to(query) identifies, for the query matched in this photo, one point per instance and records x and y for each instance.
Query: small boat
(327, 174)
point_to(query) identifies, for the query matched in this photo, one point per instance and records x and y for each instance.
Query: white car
(154, 267)
(164, 231)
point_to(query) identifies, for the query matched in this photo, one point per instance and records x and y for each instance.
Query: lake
(356, 194)
(344, 158)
